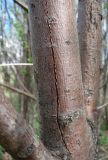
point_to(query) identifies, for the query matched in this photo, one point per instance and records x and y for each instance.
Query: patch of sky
(6, 14)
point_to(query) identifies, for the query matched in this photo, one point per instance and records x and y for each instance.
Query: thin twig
(103, 106)
(16, 64)
(21, 4)
(15, 72)
(18, 91)
(104, 150)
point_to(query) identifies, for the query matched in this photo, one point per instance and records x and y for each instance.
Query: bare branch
(18, 91)
(14, 70)
(21, 4)
(16, 64)
(17, 137)
(104, 150)
(103, 106)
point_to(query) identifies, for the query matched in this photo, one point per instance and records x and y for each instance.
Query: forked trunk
(64, 128)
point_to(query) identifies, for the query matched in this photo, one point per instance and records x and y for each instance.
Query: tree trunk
(64, 127)
(89, 25)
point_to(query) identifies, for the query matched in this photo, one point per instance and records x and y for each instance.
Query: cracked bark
(55, 74)
(64, 128)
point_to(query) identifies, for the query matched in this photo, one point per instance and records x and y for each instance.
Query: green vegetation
(105, 6)
(103, 138)
(20, 30)
(1, 152)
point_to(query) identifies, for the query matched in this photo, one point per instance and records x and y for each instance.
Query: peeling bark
(89, 25)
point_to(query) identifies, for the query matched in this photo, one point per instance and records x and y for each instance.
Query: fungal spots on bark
(67, 90)
(30, 149)
(68, 42)
(89, 92)
(50, 20)
(78, 142)
(65, 120)
(26, 151)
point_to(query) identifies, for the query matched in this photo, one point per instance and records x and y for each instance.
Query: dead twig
(21, 4)
(18, 91)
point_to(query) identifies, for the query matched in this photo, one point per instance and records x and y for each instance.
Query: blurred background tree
(15, 48)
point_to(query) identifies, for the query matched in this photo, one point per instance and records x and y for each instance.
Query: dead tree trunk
(64, 127)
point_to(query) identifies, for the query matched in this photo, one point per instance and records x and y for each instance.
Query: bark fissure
(55, 74)
(65, 132)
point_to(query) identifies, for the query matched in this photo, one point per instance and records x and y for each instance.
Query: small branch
(16, 64)
(15, 72)
(18, 91)
(104, 150)
(103, 106)
(21, 4)
(17, 137)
